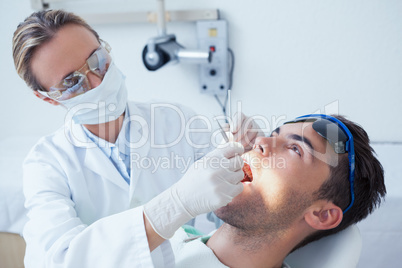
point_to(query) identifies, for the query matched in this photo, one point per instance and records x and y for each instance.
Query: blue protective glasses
(340, 138)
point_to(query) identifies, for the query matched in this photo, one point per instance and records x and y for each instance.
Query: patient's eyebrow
(302, 139)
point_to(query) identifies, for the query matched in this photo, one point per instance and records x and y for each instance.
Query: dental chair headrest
(339, 250)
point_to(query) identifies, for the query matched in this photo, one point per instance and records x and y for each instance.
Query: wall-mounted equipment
(213, 36)
(164, 49)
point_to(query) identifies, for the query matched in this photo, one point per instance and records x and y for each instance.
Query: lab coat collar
(139, 123)
(95, 159)
(100, 164)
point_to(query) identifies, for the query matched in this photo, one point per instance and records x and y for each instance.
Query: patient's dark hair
(369, 184)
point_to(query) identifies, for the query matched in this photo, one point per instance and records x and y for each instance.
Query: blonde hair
(38, 28)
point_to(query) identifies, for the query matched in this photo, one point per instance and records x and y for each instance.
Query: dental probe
(230, 104)
(225, 137)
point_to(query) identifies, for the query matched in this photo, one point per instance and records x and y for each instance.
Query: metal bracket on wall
(151, 17)
(129, 16)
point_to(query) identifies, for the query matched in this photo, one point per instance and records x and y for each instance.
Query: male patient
(298, 189)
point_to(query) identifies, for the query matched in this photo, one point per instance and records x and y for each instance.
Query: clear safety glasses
(77, 82)
(339, 137)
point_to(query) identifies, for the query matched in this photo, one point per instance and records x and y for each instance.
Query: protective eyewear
(77, 83)
(338, 136)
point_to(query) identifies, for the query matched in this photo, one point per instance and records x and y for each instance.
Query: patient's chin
(250, 214)
(244, 213)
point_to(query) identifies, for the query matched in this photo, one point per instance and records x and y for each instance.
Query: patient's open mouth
(248, 175)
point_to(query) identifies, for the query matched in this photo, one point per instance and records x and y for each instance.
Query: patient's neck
(238, 248)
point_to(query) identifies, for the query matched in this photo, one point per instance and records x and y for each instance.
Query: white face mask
(101, 104)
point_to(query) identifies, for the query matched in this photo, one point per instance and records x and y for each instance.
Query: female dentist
(91, 201)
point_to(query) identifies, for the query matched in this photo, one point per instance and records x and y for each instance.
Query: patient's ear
(324, 216)
(44, 98)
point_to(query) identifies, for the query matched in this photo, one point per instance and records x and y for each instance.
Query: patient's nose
(264, 145)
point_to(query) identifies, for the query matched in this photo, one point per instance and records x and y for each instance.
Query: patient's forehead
(303, 129)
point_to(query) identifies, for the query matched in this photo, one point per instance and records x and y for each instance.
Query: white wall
(292, 57)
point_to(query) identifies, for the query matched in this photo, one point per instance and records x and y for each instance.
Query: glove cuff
(166, 213)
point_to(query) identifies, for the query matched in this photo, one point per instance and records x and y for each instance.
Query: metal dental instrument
(225, 137)
(230, 104)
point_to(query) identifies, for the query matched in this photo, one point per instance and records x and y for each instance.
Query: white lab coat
(81, 211)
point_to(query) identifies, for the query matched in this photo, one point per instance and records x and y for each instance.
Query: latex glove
(210, 183)
(243, 129)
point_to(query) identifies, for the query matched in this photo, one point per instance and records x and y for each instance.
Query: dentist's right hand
(210, 183)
